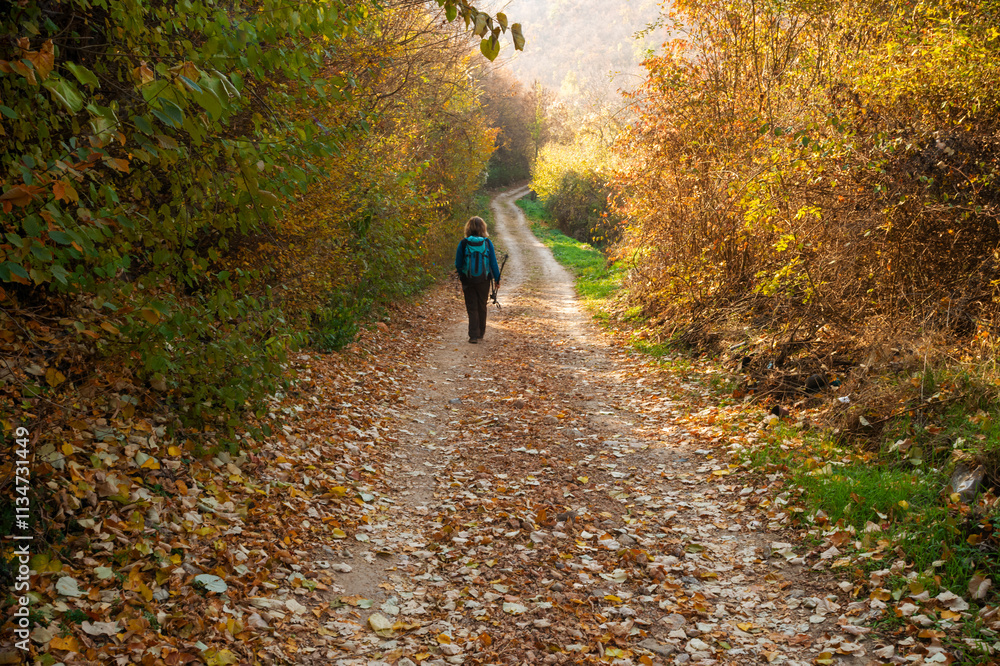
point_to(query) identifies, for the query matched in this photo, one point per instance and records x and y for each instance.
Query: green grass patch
(896, 478)
(535, 210)
(596, 280)
(856, 490)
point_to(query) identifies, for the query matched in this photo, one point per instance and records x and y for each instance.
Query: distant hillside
(575, 46)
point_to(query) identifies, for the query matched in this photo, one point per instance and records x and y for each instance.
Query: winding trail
(550, 503)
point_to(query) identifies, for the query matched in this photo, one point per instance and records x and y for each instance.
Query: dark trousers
(477, 295)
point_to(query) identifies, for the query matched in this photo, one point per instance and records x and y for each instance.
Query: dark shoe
(473, 341)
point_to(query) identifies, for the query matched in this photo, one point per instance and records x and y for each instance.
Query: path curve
(550, 504)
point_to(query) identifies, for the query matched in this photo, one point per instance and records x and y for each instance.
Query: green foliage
(516, 112)
(163, 117)
(153, 157)
(573, 182)
(134, 176)
(337, 324)
(483, 25)
(507, 169)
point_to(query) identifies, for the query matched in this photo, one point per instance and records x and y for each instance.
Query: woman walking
(476, 262)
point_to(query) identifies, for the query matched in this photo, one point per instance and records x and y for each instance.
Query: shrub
(835, 162)
(572, 181)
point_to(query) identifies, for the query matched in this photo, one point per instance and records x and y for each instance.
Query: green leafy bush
(158, 160)
(573, 182)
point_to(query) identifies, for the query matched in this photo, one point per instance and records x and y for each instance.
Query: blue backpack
(477, 258)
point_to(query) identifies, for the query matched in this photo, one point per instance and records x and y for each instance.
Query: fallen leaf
(68, 587)
(381, 625)
(100, 628)
(211, 583)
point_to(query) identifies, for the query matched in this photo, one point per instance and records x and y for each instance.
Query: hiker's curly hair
(476, 226)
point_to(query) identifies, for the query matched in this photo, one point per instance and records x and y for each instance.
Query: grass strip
(597, 280)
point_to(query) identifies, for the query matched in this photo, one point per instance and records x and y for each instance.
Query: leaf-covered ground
(547, 496)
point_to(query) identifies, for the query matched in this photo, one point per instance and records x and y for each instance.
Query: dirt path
(547, 503)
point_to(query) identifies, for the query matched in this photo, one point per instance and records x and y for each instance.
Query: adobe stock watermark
(22, 536)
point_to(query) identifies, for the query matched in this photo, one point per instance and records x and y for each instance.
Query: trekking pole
(496, 285)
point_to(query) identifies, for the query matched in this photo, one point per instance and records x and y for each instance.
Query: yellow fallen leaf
(54, 377)
(339, 533)
(65, 643)
(151, 463)
(173, 450)
(444, 639)
(745, 626)
(222, 658)
(380, 624)
(138, 624)
(150, 315)
(406, 626)
(67, 449)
